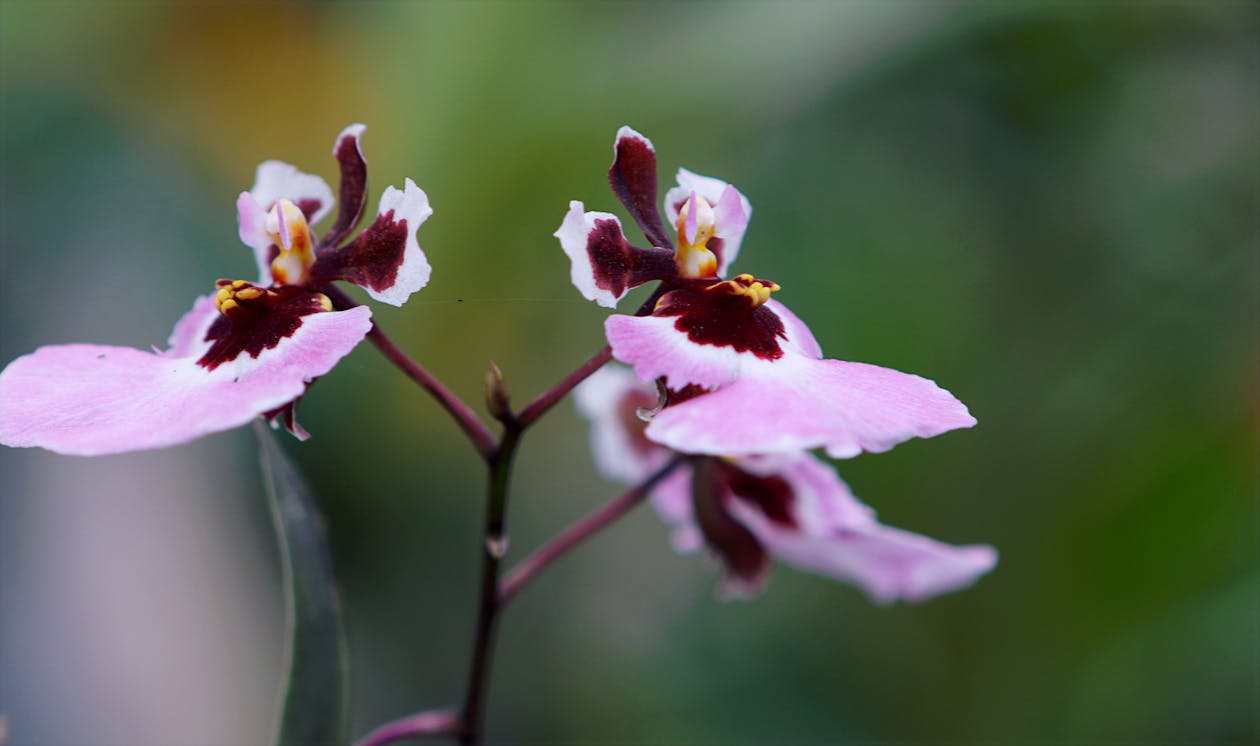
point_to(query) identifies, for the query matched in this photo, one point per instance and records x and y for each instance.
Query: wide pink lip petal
(276, 179)
(888, 563)
(798, 403)
(93, 399)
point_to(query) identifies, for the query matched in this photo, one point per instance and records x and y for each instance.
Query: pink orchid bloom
(249, 349)
(790, 506)
(740, 373)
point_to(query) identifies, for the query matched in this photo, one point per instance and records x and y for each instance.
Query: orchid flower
(248, 349)
(789, 506)
(740, 373)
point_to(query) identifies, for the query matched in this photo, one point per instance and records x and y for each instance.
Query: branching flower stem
(561, 544)
(483, 440)
(467, 723)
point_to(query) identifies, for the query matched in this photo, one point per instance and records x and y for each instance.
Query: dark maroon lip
(723, 320)
(259, 325)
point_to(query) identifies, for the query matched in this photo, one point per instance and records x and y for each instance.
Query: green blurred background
(1051, 209)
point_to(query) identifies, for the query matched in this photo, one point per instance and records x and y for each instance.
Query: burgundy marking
(309, 207)
(352, 196)
(772, 495)
(371, 260)
(619, 266)
(633, 180)
(258, 325)
(724, 321)
(628, 415)
(737, 547)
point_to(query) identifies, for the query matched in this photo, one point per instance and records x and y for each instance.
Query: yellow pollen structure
(756, 291)
(693, 257)
(288, 231)
(233, 295)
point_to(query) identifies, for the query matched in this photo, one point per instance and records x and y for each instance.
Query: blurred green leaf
(314, 710)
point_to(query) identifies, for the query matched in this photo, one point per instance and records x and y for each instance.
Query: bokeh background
(1049, 208)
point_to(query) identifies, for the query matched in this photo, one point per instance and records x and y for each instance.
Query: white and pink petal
(385, 259)
(611, 399)
(888, 563)
(798, 403)
(94, 399)
(275, 180)
(603, 265)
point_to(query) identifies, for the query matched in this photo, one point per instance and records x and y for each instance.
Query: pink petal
(93, 399)
(656, 348)
(385, 259)
(731, 210)
(608, 399)
(348, 150)
(888, 563)
(633, 180)
(604, 266)
(799, 337)
(797, 403)
(188, 338)
(276, 179)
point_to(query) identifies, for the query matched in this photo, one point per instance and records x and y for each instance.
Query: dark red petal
(618, 266)
(371, 260)
(742, 554)
(259, 325)
(724, 321)
(772, 494)
(352, 197)
(633, 180)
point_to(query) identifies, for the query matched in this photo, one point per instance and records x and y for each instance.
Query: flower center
(287, 228)
(696, 225)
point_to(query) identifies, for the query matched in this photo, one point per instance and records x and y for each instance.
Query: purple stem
(477, 432)
(545, 401)
(530, 567)
(420, 725)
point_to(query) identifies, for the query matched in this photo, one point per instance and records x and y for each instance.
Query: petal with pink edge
(611, 398)
(276, 179)
(888, 563)
(656, 348)
(797, 403)
(385, 259)
(188, 338)
(94, 399)
(604, 266)
(251, 222)
(731, 212)
(633, 179)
